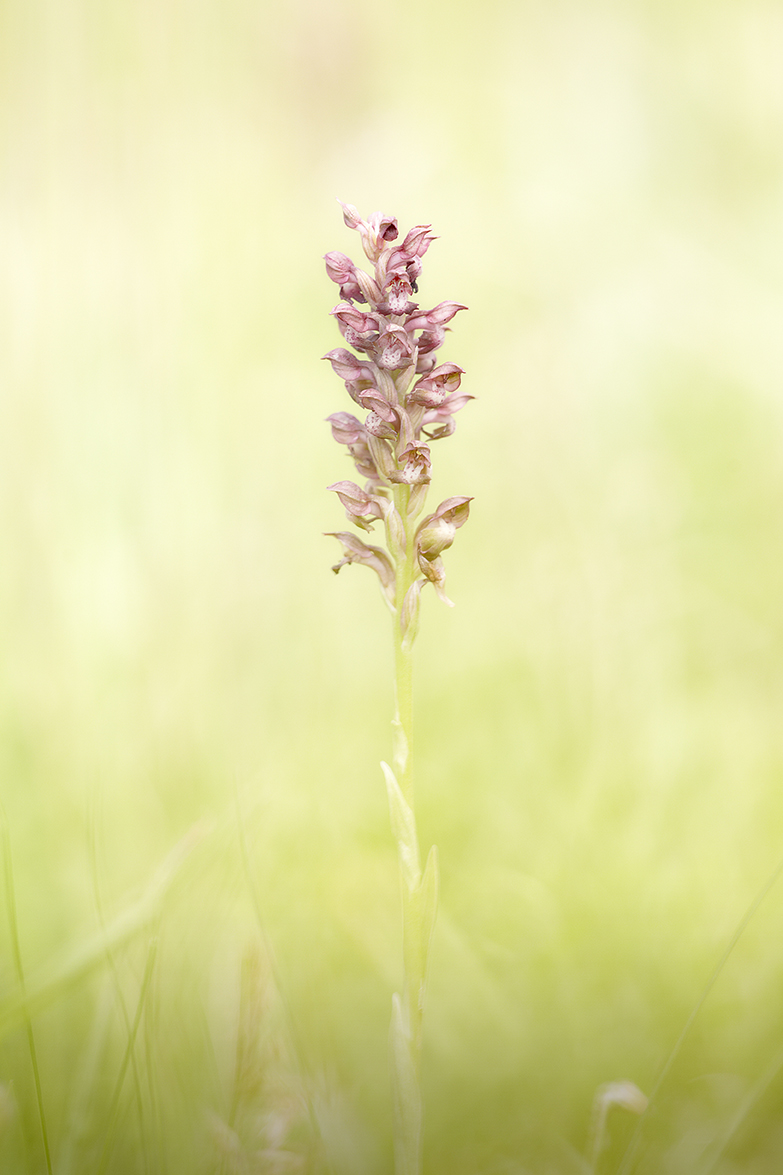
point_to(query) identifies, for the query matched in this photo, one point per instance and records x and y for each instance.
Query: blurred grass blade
(47, 986)
(404, 830)
(10, 897)
(126, 1060)
(429, 904)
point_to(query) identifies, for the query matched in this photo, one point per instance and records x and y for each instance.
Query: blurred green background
(600, 750)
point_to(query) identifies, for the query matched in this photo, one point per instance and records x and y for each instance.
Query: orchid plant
(409, 401)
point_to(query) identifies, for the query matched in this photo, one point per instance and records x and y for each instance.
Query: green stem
(403, 661)
(419, 893)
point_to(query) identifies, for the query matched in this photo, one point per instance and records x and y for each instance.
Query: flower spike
(391, 369)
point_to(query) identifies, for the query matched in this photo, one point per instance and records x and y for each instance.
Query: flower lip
(415, 466)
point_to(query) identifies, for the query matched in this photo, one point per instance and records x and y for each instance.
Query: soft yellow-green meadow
(200, 884)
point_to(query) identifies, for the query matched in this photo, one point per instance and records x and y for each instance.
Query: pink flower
(343, 271)
(398, 292)
(442, 416)
(415, 461)
(355, 551)
(431, 391)
(375, 232)
(437, 317)
(346, 429)
(376, 402)
(347, 366)
(430, 340)
(355, 320)
(393, 348)
(358, 503)
(378, 427)
(418, 240)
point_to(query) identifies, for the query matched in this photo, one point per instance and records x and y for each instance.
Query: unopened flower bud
(350, 215)
(339, 267)
(437, 531)
(343, 271)
(436, 538)
(418, 240)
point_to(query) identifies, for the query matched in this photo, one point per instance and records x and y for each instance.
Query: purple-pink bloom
(379, 427)
(356, 320)
(418, 240)
(355, 551)
(346, 429)
(358, 503)
(343, 271)
(346, 365)
(442, 416)
(393, 348)
(375, 401)
(432, 390)
(437, 317)
(375, 232)
(431, 340)
(398, 292)
(415, 461)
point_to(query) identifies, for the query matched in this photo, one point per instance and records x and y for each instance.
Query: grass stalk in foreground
(393, 374)
(10, 897)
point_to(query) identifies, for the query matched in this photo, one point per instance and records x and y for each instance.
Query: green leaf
(404, 830)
